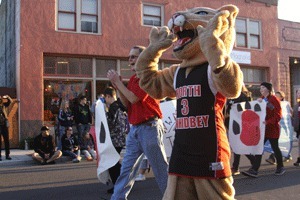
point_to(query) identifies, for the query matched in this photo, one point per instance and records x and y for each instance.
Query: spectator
(83, 117)
(245, 96)
(44, 147)
(272, 131)
(65, 119)
(272, 160)
(145, 134)
(87, 147)
(70, 146)
(117, 121)
(5, 101)
(296, 123)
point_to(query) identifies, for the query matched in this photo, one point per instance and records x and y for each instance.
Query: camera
(3, 99)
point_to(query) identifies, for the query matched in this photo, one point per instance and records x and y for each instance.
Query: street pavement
(23, 178)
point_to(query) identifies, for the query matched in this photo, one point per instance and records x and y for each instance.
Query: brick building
(60, 49)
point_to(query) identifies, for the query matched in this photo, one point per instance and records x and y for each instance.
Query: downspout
(18, 49)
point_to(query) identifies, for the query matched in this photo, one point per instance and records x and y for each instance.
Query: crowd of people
(144, 140)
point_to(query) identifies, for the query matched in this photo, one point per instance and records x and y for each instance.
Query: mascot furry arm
(199, 35)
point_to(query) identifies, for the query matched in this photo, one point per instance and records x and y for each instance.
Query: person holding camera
(5, 101)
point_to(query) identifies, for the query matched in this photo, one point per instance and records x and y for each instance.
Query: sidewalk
(18, 156)
(23, 157)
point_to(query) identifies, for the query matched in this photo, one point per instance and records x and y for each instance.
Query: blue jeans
(81, 129)
(61, 131)
(71, 154)
(148, 140)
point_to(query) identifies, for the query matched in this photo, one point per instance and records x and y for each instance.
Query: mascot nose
(176, 20)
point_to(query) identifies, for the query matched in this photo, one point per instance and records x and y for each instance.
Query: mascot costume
(202, 39)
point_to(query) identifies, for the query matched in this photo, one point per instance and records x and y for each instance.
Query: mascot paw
(211, 38)
(161, 39)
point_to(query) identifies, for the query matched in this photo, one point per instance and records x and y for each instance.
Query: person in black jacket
(83, 117)
(5, 101)
(70, 145)
(244, 97)
(117, 124)
(44, 147)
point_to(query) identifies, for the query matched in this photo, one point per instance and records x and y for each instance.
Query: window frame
(66, 12)
(148, 15)
(78, 13)
(249, 35)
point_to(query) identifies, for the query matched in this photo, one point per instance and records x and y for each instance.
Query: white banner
(107, 154)
(246, 127)
(168, 109)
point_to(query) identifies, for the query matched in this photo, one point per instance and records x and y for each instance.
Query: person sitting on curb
(70, 146)
(44, 147)
(87, 147)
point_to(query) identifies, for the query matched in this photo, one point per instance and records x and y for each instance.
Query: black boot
(297, 163)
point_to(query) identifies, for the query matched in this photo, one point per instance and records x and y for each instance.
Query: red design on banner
(250, 134)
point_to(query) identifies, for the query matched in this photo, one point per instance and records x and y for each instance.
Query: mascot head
(184, 25)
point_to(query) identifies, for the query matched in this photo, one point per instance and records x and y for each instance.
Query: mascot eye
(201, 13)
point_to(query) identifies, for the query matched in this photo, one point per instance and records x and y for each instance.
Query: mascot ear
(229, 36)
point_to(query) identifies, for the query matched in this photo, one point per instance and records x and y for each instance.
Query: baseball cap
(44, 128)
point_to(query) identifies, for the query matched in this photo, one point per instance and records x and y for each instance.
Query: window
(89, 16)
(66, 66)
(67, 15)
(102, 67)
(248, 33)
(56, 91)
(152, 15)
(125, 69)
(253, 77)
(78, 15)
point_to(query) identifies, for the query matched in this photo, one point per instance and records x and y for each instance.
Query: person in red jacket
(272, 130)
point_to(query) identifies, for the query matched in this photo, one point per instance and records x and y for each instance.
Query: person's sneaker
(280, 171)
(251, 172)
(297, 164)
(235, 172)
(43, 162)
(140, 177)
(75, 160)
(271, 161)
(110, 191)
(89, 159)
(287, 159)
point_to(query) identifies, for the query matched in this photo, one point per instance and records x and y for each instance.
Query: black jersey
(201, 147)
